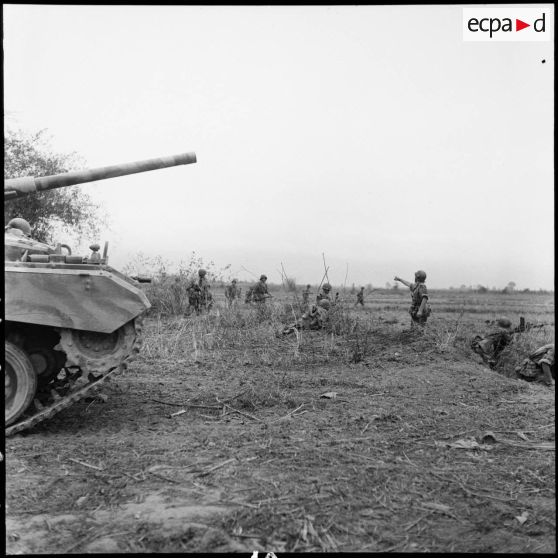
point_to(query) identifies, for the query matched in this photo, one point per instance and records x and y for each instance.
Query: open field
(399, 459)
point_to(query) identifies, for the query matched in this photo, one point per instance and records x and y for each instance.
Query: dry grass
(371, 469)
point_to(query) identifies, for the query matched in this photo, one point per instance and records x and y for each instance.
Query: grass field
(225, 435)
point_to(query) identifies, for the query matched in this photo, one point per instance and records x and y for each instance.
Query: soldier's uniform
(532, 368)
(232, 292)
(259, 291)
(360, 297)
(418, 292)
(324, 293)
(199, 295)
(490, 346)
(315, 319)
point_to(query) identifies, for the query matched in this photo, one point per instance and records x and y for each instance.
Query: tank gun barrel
(18, 187)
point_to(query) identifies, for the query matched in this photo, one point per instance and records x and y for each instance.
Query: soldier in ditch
(260, 291)
(232, 293)
(420, 308)
(539, 366)
(199, 294)
(490, 346)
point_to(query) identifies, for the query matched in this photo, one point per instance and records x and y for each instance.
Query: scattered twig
(163, 478)
(211, 469)
(233, 410)
(178, 413)
(287, 415)
(168, 403)
(417, 521)
(85, 464)
(343, 440)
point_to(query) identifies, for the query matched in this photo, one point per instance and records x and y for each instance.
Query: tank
(71, 321)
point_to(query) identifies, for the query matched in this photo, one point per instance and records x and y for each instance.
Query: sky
(373, 137)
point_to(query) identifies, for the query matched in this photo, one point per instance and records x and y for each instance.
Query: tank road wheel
(20, 382)
(96, 352)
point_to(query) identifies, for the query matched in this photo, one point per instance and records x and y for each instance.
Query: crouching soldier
(420, 309)
(315, 319)
(324, 293)
(259, 291)
(490, 346)
(539, 366)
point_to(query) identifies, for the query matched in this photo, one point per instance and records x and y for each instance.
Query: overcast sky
(373, 134)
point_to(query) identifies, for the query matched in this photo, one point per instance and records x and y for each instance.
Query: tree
(72, 210)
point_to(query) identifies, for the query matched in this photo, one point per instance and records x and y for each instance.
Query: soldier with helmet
(232, 292)
(324, 293)
(490, 346)
(420, 309)
(260, 291)
(18, 226)
(314, 319)
(199, 294)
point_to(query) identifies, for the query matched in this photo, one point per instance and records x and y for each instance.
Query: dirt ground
(414, 448)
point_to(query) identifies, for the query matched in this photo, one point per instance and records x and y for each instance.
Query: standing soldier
(259, 290)
(324, 293)
(199, 295)
(306, 295)
(360, 297)
(232, 292)
(420, 309)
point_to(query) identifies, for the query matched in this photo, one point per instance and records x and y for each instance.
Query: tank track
(77, 392)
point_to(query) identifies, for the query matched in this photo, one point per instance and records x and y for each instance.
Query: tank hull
(76, 296)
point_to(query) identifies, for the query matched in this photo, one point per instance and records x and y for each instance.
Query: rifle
(523, 325)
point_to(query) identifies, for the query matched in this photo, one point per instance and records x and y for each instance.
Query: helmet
(308, 286)
(324, 303)
(504, 322)
(202, 272)
(21, 224)
(420, 275)
(233, 281)
(326, 287)
(263, 277)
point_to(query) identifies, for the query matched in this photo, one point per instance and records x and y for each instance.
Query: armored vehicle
(70, 321)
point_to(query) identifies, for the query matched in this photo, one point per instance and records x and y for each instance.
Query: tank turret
(18, 187)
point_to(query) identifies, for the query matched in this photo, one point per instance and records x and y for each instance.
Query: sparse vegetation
(220, 437)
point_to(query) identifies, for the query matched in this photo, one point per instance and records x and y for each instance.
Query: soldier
(360, 297)
(306, 295)
(314, 319)
(199, 295)
(494, 342)
(539, 365)
(249, 292)
(420, 309)
(259, 290)
(232, 293)
(324, 293)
